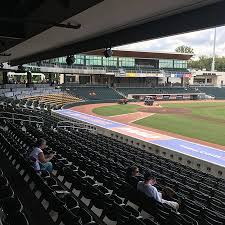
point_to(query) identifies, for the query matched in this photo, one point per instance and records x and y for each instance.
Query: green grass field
(210, 130)
(116, 110)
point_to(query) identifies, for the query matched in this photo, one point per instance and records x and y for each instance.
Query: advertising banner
(179, 75)
(188, 75)
(144, 75)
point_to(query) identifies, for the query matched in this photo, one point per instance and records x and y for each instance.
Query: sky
(200, 41)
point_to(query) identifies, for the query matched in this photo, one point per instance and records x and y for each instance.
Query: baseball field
(201, 120)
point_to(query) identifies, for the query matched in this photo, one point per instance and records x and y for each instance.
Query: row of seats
(218, 93)
(88, 189)
(77, 186)
(96, 93)
(108, 212)
(11, 208)
(50, 101)
(107, 163)
(55, 199)
(163, 90)
(104, 161)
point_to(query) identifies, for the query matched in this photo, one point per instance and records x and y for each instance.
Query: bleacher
(157, 90)
(51, 100)
(218, 93)
(22, 92)
(88, 182)
(95, 92)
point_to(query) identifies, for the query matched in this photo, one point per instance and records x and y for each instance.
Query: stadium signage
(209, 74)
(179, 75)
(144, 75)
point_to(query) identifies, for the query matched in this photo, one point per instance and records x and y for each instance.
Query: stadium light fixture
(70, 60)
(108, 52)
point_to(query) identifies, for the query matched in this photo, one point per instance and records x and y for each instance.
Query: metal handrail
(18, 114)
(75, 125)
(68, 121)
(13, 119)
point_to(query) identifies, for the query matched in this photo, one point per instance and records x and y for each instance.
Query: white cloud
(200, 41)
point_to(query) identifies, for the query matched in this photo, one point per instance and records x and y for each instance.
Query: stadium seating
(10, 206)
(96, 93)
(22, 92)
(176, 70)
(51, 101)
(88, 182)
(218, 93)
(159, 90)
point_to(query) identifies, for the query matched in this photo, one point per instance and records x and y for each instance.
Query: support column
(50, 78)
(182, 81)
(64, 78)
(93, 79)
(5, 79)
(61, 78)
(29, 77)
(77, 78)
(110, 80)
(157, 81)
(206, 80)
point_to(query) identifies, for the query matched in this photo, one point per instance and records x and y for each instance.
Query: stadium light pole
(214, 51)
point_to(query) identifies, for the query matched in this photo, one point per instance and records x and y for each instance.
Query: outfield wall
(206, 159)
(166, 97)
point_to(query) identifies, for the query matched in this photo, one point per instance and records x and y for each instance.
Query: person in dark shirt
(133, 176)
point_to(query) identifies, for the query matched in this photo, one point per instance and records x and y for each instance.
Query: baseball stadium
(96, 135)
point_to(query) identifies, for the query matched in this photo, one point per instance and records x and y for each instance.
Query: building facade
(124, 68)
(212, 78)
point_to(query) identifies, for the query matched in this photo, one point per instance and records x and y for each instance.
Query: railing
(75, 125)
(106, 69)
(17, 117)
(69, 84)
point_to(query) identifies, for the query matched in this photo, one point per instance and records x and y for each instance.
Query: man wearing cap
(147, 187)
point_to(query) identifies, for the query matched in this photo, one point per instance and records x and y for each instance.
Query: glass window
(93, 60)
(62, 60)
(79, 59)
(182, 64)
(126, 62)
(111, 61)
(165, 63)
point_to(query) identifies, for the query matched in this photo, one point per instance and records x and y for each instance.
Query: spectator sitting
(41, 161)
(147, 187)
(133, 176)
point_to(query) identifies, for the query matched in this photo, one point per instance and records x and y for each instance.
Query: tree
(205, 62)
(184, 49)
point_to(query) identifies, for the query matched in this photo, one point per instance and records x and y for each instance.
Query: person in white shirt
(41, 161)
(147, 187)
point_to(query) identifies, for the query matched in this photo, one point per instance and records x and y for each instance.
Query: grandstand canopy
(146, 55)
(35, 30)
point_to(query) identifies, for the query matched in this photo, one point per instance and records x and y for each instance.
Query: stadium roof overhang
(143, 55)
(39, 29)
